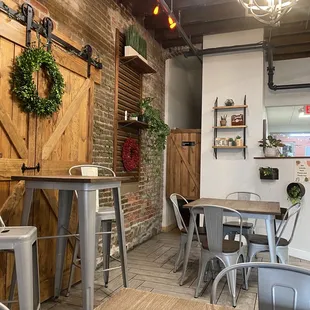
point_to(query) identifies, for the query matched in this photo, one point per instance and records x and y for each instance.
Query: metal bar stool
(104, 218)
(22, 240)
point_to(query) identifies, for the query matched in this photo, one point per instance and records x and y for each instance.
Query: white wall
(231, 76)
(293, 71)
(182, 106)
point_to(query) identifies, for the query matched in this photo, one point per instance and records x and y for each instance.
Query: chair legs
(180, 255)
(106, 248)
(203, 262)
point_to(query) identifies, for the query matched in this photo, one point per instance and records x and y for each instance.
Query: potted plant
(135, 44)
(239, 141)
(229, 103)
(268, 173)
(271, 146)
(223, 120)
(133, 116)
(230, 141)
(157, 131)
(295, 192)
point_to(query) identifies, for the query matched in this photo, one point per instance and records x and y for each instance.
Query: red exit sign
(307, 109)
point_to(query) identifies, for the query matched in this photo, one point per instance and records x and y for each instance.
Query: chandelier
(268, 11)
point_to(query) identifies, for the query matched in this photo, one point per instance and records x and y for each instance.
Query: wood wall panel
(128, 90)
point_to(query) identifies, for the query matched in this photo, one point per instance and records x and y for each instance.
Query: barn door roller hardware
(28, 12)
(24, 168)
(48, 26)
(21, 17)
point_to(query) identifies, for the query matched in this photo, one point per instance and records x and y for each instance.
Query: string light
(172, 23)
(156, 10)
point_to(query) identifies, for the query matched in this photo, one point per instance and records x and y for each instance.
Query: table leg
(190, 234)
(87, 222)
(64, 212)
(119, 216)
(24, 222)
(270, 227)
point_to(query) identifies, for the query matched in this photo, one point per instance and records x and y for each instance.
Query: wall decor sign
(307, 109)
(237, 120)
(302, 171)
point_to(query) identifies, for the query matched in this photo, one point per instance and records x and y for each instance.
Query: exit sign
(307, 109)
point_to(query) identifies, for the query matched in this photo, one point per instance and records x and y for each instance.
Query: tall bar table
(87, 214)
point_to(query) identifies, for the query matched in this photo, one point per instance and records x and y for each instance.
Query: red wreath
(130, 154)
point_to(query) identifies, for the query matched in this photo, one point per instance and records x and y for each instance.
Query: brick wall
(94, 22)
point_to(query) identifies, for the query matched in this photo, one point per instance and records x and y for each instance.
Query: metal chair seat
(245, 225)
(106, 214)
(263, 240)
(229, 246)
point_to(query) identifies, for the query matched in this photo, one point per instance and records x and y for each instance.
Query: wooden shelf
(229, 147)
(137, 64)
(230, 127)
(133, 124)
(230, 107)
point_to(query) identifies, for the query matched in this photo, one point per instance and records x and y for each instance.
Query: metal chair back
(3, 307)
(180, 222)
(243, 196)
(91, 170)
(214, 218)
(280, 287)
(292, 214)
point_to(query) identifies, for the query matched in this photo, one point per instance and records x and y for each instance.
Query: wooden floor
(150, 269)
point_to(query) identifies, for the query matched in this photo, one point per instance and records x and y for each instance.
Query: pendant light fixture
(268, 11)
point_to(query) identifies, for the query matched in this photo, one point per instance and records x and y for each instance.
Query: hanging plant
(157, 131)
(130, 154)
(24, 88)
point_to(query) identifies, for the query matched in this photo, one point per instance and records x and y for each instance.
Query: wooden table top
(67, 178)
(246, 206)
(130, 299)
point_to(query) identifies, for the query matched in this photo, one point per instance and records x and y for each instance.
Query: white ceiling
(286, 119)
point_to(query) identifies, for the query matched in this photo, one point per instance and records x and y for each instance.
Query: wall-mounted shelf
(133, 124)
(230, 127)
(231, 107)
(138, 64)
(243, 127)
(229, 147)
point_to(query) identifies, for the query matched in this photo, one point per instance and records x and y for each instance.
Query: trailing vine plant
(24, 88)
(157, 131)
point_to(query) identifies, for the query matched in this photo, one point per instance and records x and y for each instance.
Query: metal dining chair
(104, 218)
(280, 287)
(213, 245)
(3, 307)
(231, 228)
(182, 227)
(259, 243)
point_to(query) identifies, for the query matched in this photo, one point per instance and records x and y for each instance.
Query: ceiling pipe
(180, 29)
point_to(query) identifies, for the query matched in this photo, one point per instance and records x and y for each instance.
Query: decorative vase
(223, 122)
(271, 152)
(229, 102)
(133, 118)
(230, 143)
(239, 142)
(141, 118)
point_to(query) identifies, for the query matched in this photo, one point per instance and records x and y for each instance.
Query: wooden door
(183, 163)
(57, 143)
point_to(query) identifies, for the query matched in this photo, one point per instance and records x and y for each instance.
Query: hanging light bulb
(156, 10)
(172, 23)
(268, 11)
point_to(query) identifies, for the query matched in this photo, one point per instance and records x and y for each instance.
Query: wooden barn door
(183, 163)
(57, 143)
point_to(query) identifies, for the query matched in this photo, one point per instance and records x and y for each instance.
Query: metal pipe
(228, 49)
(180, 29)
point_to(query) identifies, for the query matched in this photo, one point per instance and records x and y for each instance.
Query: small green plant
(266, 171)
(224, 117)
(157, 131)
(238, 137)
(294, 194)
(134, 114)
(134, 40)
(230, 139)
(271, 142)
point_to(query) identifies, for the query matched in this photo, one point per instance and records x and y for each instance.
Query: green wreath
(24, 88)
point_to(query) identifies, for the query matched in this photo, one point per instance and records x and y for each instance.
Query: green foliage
(271, 142)
(157, 131)
(266, 171)
(134, 40)
(24, 88)
(238, 137)
(294, 194)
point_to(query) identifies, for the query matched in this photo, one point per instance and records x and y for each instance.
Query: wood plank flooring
(150, 268)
